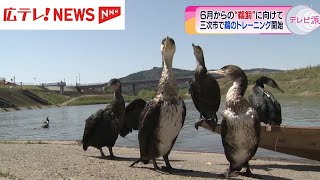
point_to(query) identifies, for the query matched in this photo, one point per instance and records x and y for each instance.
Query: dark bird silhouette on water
(240, 126)
(205, 91)
(46, 123)
(267, 106)
(163, 117)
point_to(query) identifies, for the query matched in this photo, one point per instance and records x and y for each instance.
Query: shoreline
(28, 108)
(260, 155)
(64, 104)
(67, 160)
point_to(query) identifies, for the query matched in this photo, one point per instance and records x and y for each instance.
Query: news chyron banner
(62, 14)
(299, 20)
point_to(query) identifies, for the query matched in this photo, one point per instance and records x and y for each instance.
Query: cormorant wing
(207, 98)
(184, 111)
(149, 119)
(274, 108)
(131, 116)
(212, 91)
(257, 127)
(195, 93)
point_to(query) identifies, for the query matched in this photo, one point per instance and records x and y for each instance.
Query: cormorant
(164, 116)
(267, 106)
(102, 127)
(240, 126)
(46, 123)
(205, 91)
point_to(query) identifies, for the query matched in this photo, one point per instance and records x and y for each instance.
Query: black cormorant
(204, 90)
(46, 123)
(267, 106)
(164, 116)
(101, 128)
(240, 126)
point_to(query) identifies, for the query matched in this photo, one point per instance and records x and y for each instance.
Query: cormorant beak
(280, 89)
(166, 43)
(217, 72)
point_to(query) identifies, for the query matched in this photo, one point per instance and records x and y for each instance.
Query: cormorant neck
(201, 71)
(238, 89)
(200, 61)
(118, 93)
(167, 84)
(260, 82)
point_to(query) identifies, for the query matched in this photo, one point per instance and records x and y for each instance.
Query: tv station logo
(62, 15)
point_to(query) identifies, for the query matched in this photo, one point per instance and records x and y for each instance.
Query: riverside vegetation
(297, 82)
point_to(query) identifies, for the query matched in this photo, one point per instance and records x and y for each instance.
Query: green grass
(85, 100)
(145, 94)
(298, 82)
(17, 98)
(52, 97)
(305, 81)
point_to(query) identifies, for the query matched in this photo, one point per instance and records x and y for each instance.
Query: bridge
(60, 84)
(133, 84)
(136, 83)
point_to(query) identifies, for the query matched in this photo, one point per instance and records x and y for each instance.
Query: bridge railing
(54, 84)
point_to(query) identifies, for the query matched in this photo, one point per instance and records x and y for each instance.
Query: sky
(98, 56)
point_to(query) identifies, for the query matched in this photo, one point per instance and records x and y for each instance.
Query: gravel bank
(67, 160)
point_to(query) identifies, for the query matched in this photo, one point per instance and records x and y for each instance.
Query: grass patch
(8, 142)
(87, 100)
(53, 98)
(8, 175)
(297, 82)
(15, 96)
(147, 94)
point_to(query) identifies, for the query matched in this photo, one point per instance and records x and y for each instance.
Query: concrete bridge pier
(134, 89)
(61, 89)
(61, 85)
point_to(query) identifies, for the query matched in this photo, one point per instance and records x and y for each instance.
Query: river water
(67, 123)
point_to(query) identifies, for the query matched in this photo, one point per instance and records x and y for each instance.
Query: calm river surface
(67, 123)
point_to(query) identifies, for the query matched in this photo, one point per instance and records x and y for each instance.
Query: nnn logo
(107, 13)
